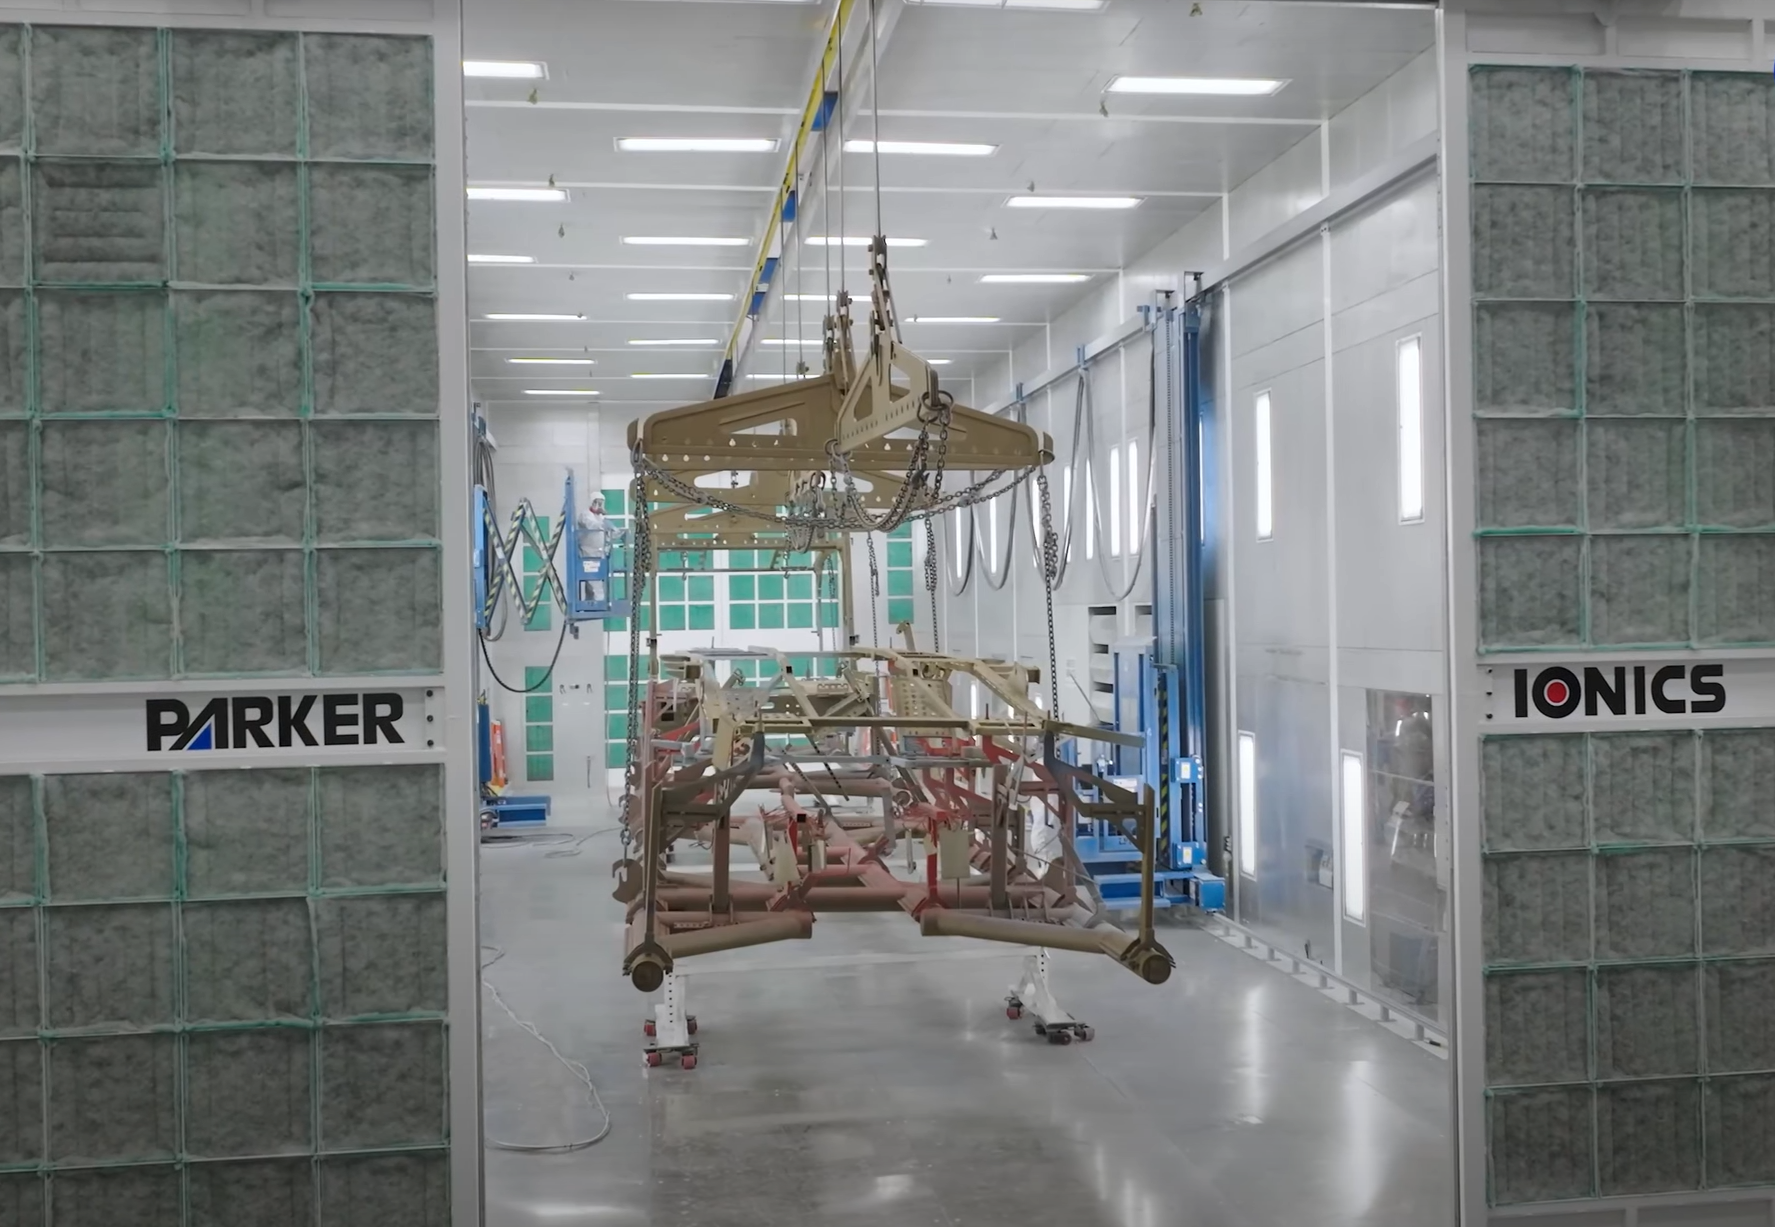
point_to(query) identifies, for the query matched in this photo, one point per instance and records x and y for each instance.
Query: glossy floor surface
(870, 1077)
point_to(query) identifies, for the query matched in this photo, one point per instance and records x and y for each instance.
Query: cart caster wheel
(1087, 1034)
(691, 1023)
(1013, 1012)
(649, 1030)
(1041, 1029)
(1059, 1037)
(687, 1061)
(653, 1058)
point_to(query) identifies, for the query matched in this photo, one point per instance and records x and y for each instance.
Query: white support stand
(670, 1029)
(1034, 993)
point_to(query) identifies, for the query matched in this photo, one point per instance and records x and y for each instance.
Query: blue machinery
(494, 560)
(1159, 682)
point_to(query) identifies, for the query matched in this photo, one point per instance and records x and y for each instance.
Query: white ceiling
(1030, 82)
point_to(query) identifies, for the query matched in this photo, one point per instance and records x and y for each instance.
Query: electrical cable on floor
(574, 1067)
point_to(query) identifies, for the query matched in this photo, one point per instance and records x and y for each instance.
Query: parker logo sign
(1558, 691)
(283, 721)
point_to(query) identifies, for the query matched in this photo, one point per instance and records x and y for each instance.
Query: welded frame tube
(784, 927)
(944, 922)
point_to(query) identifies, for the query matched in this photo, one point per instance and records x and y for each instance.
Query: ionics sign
(1559, 691)
(284, 721)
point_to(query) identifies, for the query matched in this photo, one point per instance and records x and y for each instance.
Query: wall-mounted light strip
(531, 316)
(1266, 505)
(581, 392)
(1353, 791)
(953, 319)
(478, 258)
(1115, 502)
(1248, 804)
(693, 342)
(554, 361)
(1410, 363)
(676, 297)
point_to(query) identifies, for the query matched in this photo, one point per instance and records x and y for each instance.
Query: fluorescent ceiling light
(938, 361)
(534, 195)
(1034, 278)
(858, 240)
(680, 297)
(1073, 202)
(659, 240)
(675, 341)
(559, 392)
(1083, 6)
(672, 375)
(1235, 87)
(530, 316)
(697, 144)
(486, 259)
(554, 361)
(947, 149)
(953, 319)
(508, 70)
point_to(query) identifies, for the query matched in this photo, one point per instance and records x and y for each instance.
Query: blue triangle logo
(206, 740)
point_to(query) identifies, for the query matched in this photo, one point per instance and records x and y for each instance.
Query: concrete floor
(870, 1077)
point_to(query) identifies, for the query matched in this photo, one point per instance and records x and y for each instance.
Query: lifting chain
(874, 593)
(640, 566)
(930, 579)
(1050, 569)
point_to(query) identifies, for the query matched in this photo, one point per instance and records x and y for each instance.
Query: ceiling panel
(1029, 82)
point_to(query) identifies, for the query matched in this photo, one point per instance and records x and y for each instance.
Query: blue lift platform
(492, 561)
(1159, 681)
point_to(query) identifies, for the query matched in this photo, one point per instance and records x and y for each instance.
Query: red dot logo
(1557, 693)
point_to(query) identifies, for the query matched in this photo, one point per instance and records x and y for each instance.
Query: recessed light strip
(1227, 87)
(506, 70)
(532, 316)
(1035, 278)
(477, 258)
(697, 144)
(942, 149)
(1073, 202)
(953, 319)
(651, 240)
(582, 392)
(858, 240)
(529, 195)
(694, 341)
(677, 297)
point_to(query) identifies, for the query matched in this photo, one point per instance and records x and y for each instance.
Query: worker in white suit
(595, 540)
